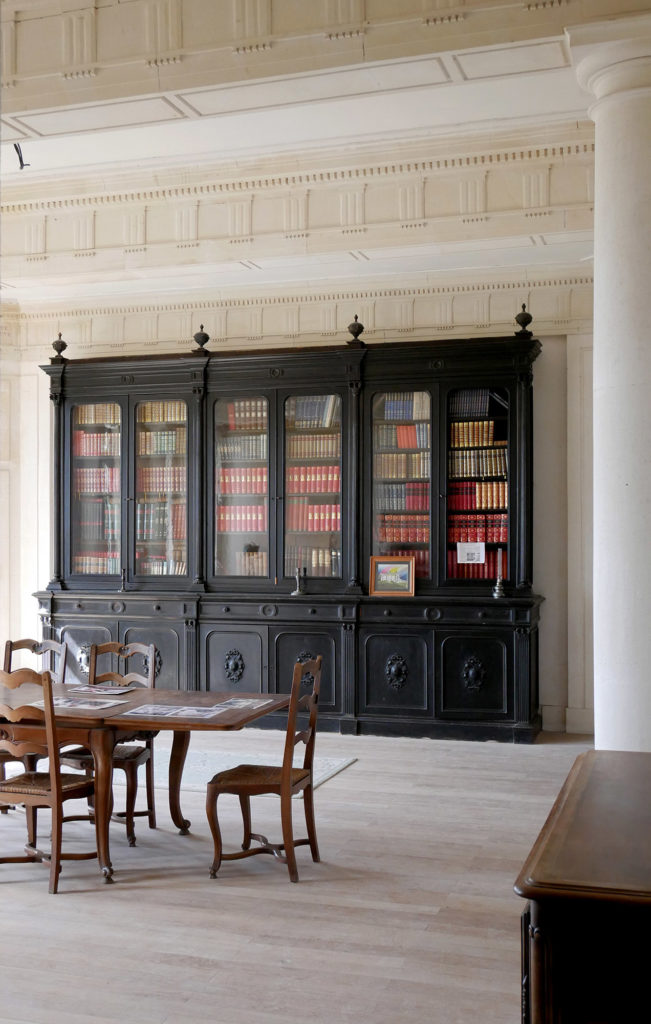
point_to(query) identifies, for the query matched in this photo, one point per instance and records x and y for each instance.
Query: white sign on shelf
(471, 553)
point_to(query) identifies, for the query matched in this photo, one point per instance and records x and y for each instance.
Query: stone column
(613, 63)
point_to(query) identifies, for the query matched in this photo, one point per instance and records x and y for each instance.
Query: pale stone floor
(410, 918)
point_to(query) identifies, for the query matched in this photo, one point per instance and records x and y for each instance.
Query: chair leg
(149, 779)
(55, 851)
(5, 807)
(288, 836)
(245, 804)
(131, 772)
(30, 815)
(211, 814)
(308, 806)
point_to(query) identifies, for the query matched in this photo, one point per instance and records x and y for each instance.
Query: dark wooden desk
(100, 730)
(586, 929)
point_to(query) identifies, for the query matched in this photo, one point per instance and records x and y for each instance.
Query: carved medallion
(158, 664)
(474, 674)
(308, 679)
(83, 658)
(233, 666)
(396, 671)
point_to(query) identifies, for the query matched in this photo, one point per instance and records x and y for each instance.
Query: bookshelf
(312, 485)
(161, 464)
(477, 484)
(241, 428)
(401, 483)
(226, 506)
(96, 489)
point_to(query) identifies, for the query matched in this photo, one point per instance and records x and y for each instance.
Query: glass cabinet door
(478, 484)
(161, 444)
(95, 521)
(402, 458)
(313, 485)
(241, 487)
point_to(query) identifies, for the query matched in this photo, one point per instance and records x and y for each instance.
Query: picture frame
(392, 575)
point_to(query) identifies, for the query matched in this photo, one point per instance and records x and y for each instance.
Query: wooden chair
(127, 755)
(41, 648)
(249, 780)
(36, 789)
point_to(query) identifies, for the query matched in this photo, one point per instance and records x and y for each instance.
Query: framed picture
(391, 575)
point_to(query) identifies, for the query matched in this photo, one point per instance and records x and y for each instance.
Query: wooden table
(100, 730)
(585, 934)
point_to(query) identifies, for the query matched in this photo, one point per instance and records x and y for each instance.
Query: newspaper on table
(186, 711)
(78, 704)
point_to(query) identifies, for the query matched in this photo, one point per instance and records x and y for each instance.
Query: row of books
(314, 446)
(96, 563)
(395, 465)
(405, 405)
(247, 563)
(157, 520)
(98, 519)
(412, 496)
(492, 528)
(242, 518)
(105, 442)
(301, 516)
(163, 442)
(252, 448)
(242, 480)
(107, 413)
(247, 414)
(307, 411)
(396, 528)
(317, 560)
(472, 433)
(477, 462)
(388, 437)
(161, 565)
(313, 479)
(482, 494)
(472, 570)
(161, 479)
(97, 479)
(469, 402)
(164, 411)
(420, 555)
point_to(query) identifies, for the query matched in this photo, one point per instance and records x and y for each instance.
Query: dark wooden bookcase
(226, 507)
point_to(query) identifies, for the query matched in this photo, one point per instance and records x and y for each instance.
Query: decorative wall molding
(489, 159)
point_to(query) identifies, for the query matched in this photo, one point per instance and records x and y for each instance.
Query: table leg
(180, 744)
(102, 742)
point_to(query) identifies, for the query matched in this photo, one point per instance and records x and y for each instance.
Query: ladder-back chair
(138, 747)
(35, 789)
(249, 780)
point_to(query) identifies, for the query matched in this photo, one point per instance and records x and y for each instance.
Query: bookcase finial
(524, 319)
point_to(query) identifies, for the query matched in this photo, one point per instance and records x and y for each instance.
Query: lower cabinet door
(475, 675)
(291, 645)
(169, 640)
(232, 659)
(395, 672)
(79, 638)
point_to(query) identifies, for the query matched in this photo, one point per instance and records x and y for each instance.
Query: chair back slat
(123, 651)
(306, 703)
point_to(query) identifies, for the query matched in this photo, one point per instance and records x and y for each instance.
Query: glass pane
(478, 488)
(313, 485)
(402, 457)
(95, 501)
(241, 487)
(161, 488)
